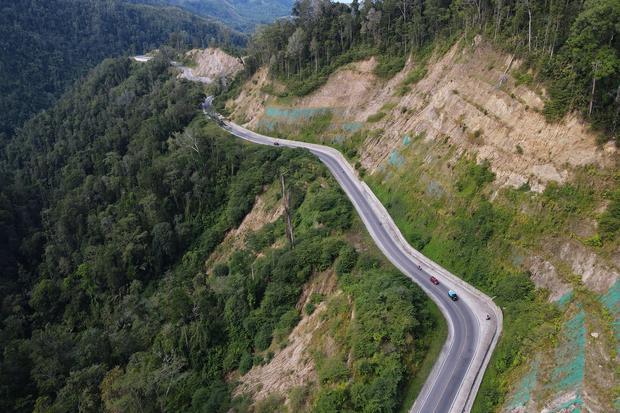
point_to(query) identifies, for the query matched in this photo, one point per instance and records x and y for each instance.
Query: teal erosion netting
(294, 114)
(564, 300)
(338, 140)
(280, 115)
(396, 159)
(611, 301)
(570, 363)
(523, 393)
(266, 124)
(351, 127)
(434, 189)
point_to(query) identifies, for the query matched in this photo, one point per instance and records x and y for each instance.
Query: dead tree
(286, 197)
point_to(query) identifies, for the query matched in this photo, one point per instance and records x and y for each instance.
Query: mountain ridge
(243, 15)
(42, 55)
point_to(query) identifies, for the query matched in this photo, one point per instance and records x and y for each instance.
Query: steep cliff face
(413, 137)
(214, 63)
(462, 99)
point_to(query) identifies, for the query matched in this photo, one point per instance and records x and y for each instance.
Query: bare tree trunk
(498, 18)
(289, 224)
(617, 101)
(529, 27)
(546, 38)
(555, 37)
(595, 66)
(592, 96)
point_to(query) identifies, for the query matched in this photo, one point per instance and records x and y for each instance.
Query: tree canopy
(113, 200)
(574, 45)
(45, 45)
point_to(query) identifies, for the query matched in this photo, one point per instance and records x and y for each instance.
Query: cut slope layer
(459, 100)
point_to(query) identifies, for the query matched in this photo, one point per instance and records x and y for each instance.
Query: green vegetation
(585, 74)
(415, 75)
(388, 66)
(47, 44)
(572, 46)
(381, 348)
(463, 231)
(609, 222)
(434, 342)
(376, 117)
(113, 200)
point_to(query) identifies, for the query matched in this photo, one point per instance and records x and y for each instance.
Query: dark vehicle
(453, 295)
(434, 280)
(276, 144)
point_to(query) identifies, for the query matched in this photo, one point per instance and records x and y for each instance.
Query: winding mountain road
(455, 378)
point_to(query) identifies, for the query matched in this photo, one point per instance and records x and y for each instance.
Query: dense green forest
(242, 15)
(573, 45)
(45, 45)
(111, 202)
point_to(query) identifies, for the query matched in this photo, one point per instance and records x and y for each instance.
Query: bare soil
(214, 63)
(459, 98)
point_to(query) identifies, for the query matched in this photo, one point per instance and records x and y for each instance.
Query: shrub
(220, 270)
(309, 308)
(333, 370)
(245, 364)
(389, 65)
(522, 78)
(270, 404)
(329, 252)
(288, 320)
(415, 76)
(403, 90)
(609, 223)
(263, 338)
(331, 400)
(376, 117)
(346, 260)
(258, 360)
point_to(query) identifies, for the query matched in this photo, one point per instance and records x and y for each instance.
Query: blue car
(452, 295)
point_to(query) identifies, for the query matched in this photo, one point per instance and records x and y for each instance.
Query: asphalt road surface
(455, 378)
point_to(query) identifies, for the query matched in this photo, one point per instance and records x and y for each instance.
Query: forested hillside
(573, 45)
(110, 205)
(46, 45)
(242, 15)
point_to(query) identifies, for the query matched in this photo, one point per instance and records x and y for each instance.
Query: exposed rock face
(248, 107)
(596, 274)
(212, 63)
(545, 275)
(459, 100)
